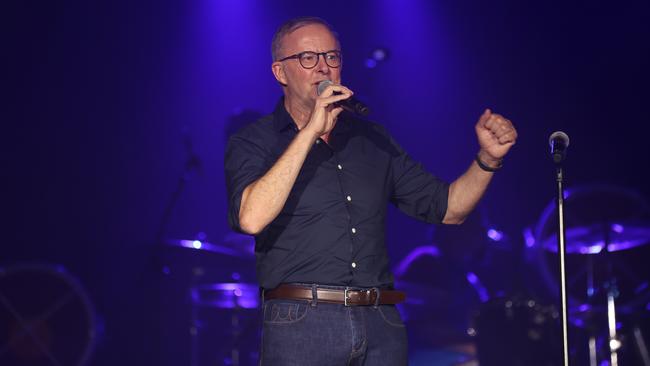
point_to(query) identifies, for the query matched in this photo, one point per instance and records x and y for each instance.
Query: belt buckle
(345, 297)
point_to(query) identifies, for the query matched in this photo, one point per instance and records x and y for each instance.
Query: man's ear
(278, 71)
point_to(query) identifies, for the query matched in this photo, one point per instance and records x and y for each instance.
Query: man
(312, 183)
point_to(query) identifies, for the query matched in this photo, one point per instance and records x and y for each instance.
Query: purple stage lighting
(380, 54)
(495, 234)
(377, 56)
(371, 64)
(473, 279)
(593, 249)
(578, 323)
(529, 238)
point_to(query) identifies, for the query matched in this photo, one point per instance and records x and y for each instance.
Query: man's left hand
(496, 135)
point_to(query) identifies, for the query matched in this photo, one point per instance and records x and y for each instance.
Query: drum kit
(504, 300)
(482, 298)
(607, 237)
(222, 317)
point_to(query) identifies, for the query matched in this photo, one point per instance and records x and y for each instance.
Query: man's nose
(321, 65)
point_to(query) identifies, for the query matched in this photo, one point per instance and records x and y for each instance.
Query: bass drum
(516, 332)
(46, 316)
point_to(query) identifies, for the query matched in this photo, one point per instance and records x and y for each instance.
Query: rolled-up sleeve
(245, 161)
(416, 192)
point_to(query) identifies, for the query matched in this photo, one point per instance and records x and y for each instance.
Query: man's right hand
(323, 117)
(263, 199)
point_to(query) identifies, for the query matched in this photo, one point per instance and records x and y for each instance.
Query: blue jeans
(304, 334)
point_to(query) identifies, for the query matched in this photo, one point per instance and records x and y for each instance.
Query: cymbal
(597, 218)
(594, 239)
(227, 295)
(205, 246)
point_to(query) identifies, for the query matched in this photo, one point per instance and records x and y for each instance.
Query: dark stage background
(111, 103)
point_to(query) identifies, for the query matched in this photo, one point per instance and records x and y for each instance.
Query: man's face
(301, 84)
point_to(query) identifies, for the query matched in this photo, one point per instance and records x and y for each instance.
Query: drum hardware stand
(641, 346)
(593, 355)
(614, 342)
(196, 324)
(611, 290)
(612, 293)
(236, 334)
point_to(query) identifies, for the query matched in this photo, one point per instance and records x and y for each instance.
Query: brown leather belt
(347, 297)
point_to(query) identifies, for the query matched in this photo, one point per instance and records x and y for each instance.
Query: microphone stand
(192, 163)
(562, 252)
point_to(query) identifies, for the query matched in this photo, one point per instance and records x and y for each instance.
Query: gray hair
(294, 24)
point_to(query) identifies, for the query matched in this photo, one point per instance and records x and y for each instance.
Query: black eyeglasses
(309, 59)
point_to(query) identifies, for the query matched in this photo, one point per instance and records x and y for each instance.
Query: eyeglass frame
(318, 54)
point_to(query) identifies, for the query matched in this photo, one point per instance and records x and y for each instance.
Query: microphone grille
(559, 135)
(322, 85)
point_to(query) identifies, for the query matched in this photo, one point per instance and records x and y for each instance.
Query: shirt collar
(281, 118)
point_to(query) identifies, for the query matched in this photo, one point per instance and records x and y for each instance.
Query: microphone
(559, 141)
(351, 104)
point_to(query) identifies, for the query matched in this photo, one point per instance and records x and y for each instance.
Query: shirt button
(354, 265)
(339, 166)
(349, 198)
(354, 230)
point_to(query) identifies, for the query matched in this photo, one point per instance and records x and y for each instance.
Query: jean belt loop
(262, 295)
(378, 292)
(314, 295)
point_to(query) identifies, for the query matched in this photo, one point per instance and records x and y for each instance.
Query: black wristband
(483, 166)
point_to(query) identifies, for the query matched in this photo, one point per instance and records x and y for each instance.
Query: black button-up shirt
(331, 230)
